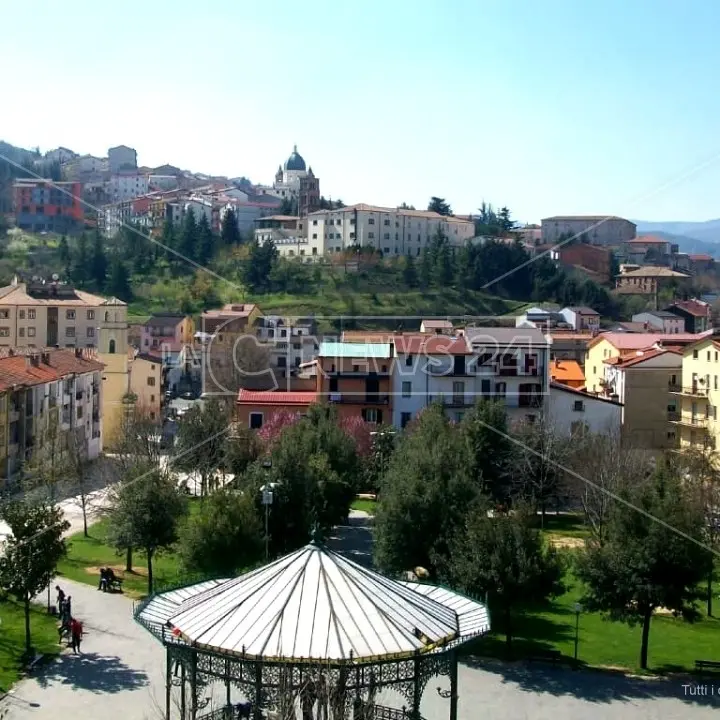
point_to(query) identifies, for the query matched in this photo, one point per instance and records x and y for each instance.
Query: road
(120, 675)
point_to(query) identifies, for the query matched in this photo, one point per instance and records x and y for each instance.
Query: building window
(31, 314)
(708, 356)
(21, 332)
(4, 314)
(314, 236)
(151, 381)
(386, 236)
(408, 360)
(111, 347)
(371, 221)
(695, 354)
(90, 314)
(69, 314)
(407, 389)
(370, 415)
(314, 223)
(79, 412)
(69, 332)
(386, 222)
(22, 317)
(578, 406)
(405, 418)
(91, 332)
(371, 235)
(282, 361)
(500, 389)
(256, 420)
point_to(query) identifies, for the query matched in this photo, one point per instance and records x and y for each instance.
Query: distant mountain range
(692, 237)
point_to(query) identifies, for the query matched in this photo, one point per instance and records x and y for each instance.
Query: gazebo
(312, 635)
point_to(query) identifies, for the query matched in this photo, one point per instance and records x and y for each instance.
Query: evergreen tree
(260, 264)
(65, 259)
(119, 282)
(169, 240)
(445, 264)
(229, 232)
(81, 263)
(438, 205)
(205, 241)
(426, 269)
(410, 275)
(98, 266)
(188, 244)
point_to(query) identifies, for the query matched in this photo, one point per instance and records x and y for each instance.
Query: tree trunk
(150, 571)
(710, 588)
(508, 632)
(28, 642)
(645, 638)
(83, 501)
(128, 560)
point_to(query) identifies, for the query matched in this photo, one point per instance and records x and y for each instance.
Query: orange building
(567, 372)
(356, 378)
(254, 409)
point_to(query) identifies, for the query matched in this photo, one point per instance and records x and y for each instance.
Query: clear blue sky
(549, 107)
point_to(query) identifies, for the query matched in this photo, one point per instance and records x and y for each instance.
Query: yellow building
(615, 344)
(696, 421)
(113, 352)
(146, 385)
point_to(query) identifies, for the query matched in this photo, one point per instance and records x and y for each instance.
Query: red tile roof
(641, 356)
(274, 397)
(702, 257)
(649, 240)
(640, 341)
(18, 369)
(433, 345)
(694, 307)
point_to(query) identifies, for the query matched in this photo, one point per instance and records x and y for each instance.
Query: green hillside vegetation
(190, 268)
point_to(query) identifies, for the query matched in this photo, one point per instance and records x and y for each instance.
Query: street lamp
(267, 501)
(578, 610)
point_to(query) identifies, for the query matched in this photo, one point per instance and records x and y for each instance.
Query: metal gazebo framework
(312, 635)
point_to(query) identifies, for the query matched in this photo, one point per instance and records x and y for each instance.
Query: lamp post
(578, 610)
(267, 501)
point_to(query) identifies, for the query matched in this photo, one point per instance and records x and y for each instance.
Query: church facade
(296, 182)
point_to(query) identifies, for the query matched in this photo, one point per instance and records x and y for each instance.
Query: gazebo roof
(315, 604)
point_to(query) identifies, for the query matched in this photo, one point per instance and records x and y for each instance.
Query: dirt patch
(119, 570)
(566, 542)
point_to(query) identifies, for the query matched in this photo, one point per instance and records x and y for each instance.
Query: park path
(120, 675)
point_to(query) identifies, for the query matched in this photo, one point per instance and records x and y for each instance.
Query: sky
(546, 106)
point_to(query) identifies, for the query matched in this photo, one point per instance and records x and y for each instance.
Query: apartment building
(641, 381)
(571, 411)
(254, 409)
(167, 330)
(661, 321)
(615, 344)
(604, 230)
(147, 386)
(697, 394)
(696, 314)
(357, 379)
(581, 319)
(649, 250)
(45, 396)
(291, 341)
(288, 234)
(122, 157)
(48, 206)
(393, 231)
(127, 186)
(649, 280)
(593, 260)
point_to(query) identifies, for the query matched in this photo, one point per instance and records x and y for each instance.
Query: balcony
(531, 400)
(691, 421)
(358, 398)
(673, 416)
(695, 391)
(356, 373)
(457, 400)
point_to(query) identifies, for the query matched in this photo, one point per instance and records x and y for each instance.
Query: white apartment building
(394, 231)
(506, 364)
(606, 230)
(127, 187)
(48, 314)
(121, 157)
(292, 342)
(570, 411)
(162, 182)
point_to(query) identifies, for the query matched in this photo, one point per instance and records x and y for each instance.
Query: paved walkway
(120, 676)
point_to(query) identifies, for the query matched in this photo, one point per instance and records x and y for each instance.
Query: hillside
(687, 244)
(704, 232)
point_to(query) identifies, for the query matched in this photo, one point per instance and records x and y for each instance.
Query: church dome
(295, 161)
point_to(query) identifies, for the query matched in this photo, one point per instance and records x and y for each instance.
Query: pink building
(173, 330)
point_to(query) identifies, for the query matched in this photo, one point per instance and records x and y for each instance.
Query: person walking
(76, 631)
(60, 598)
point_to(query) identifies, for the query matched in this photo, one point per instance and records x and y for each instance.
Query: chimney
(32, 360)
(646, 326)
(78, 352)
(46, 358)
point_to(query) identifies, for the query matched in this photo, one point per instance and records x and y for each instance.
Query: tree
(169, 240)
(504, 558)
(426, 269)
(205, 241)
(119, 282)
(80, 272)
(652, 556)
(78, 466)
(260, 263)
(410, 274)
(188, 242)
(424, 496)
(144, 514)
(229, 231)
(223, 537)
(537, 462)
(488, 448)
(65, 258)
(201, 440)
(381, 452)
(98, 262)
(438, 205)
(31, 552)
(242, 448)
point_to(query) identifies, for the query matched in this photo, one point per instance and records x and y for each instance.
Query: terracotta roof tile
(566, 371)
(433, 345)
(274, 397)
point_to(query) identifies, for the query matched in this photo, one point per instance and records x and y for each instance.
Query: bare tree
(78, 466)
(539, 478)
(244, 363)
(607, 463)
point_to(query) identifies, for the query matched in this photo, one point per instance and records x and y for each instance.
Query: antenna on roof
(55, 277)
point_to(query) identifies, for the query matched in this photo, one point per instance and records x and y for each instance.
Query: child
(76, 630)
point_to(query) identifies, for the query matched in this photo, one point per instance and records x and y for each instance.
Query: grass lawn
(86, 556)
(43, 629)
(366, 505)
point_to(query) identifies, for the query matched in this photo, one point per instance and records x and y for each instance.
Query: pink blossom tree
(359, 431)
(273, 428)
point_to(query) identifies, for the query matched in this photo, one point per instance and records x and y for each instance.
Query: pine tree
(438, 205)
(119, 283)
(65, 259)
(99, 265)
(410, 275)
(169, 240)
(426, 269)
(187, 246)
(205, 241)
(81, 265)
(229, 232)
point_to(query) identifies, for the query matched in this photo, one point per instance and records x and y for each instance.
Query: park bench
(34, 662)
(550, 656)
(707, 665)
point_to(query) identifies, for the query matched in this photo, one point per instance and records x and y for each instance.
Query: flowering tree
(359, 431)
(273, 428)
